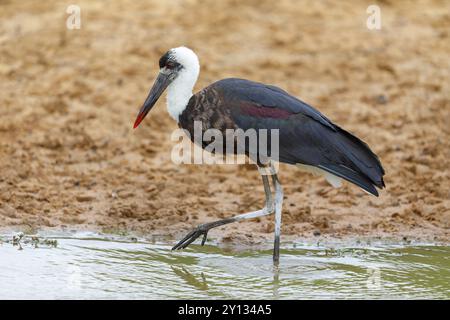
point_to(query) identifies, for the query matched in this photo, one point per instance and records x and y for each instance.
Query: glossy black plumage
(306, 136)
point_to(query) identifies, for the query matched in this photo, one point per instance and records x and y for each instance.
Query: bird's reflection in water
(190, 279)
(202, 284)
(276, 281)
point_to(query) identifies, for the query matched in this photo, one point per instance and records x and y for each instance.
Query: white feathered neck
(180, 90)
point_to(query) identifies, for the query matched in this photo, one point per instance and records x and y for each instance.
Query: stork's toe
(192, 236)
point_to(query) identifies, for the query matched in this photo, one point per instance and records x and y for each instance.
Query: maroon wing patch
(265, 112)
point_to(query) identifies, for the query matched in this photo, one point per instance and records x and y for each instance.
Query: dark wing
(305, 135)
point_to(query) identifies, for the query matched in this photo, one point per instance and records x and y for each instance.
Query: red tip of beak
(138, 120)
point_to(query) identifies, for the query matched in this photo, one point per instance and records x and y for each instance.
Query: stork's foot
(199, 231)
(193, 235)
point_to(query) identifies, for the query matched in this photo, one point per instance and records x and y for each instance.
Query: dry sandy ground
(69, 158)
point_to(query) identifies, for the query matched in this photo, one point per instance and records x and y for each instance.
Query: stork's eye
(170, 65)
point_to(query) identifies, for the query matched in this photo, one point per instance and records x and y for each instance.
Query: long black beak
(161, 83)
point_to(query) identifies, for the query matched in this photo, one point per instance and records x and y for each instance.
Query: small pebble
(381, 99)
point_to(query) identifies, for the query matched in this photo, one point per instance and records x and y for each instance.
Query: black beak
(161, 83)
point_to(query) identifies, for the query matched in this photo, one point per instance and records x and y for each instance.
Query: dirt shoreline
(69, 159)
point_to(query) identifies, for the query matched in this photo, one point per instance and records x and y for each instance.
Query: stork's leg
(278, 205)
(204, 228)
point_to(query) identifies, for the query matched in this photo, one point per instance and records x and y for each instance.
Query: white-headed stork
(307, 138)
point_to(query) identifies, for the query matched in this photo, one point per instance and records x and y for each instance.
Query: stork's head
(178, 68)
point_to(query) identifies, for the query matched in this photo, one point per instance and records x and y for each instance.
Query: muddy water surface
(101, 268)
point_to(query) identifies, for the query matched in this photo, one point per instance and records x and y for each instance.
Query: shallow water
(100, 269)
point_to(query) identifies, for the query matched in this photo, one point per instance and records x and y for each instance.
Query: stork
(307, 139)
